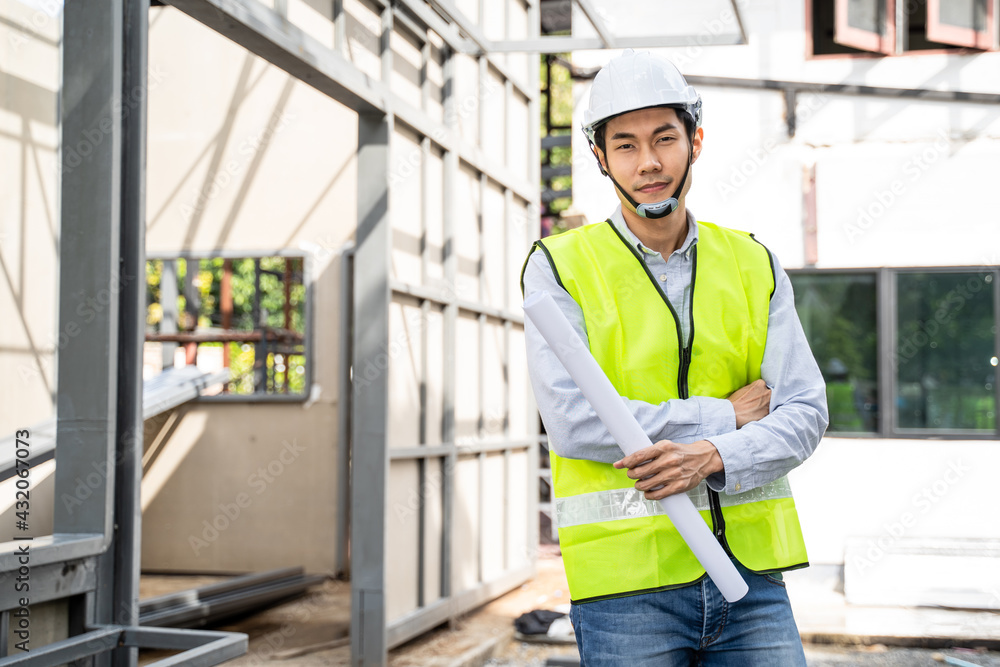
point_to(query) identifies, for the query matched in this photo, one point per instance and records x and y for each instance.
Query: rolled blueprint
(595, 385)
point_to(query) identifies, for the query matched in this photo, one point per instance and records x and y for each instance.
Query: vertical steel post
(370, 408)
(450, 322)
(124, 558)
(168, 301)
(89, 268)
(91, 278)
(534, 167)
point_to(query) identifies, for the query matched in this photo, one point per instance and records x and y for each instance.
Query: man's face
(647, 153)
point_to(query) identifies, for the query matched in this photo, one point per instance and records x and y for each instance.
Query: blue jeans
(693, 625)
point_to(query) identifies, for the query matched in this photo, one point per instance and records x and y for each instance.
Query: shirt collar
(618, 220)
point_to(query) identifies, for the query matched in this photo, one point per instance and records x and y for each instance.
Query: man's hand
(669, 467)
(751, 402)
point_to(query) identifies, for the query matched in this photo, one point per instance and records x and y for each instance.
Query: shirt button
(737, 487)
(663, 277)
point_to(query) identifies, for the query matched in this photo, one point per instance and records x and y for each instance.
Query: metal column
(90, 272)
(123, 561)
(369, 403)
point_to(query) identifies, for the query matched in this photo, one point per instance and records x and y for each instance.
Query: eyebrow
(629, 135)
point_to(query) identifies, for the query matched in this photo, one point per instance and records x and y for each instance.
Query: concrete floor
(312, 630)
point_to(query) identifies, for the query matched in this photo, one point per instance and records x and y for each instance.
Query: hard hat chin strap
(656, 210)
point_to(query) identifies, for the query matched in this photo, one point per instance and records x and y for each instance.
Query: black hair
(686, 117)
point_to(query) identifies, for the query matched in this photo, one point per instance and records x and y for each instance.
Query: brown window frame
(866, 40)
(957, 35)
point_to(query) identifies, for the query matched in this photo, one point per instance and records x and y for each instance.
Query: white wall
(940, 157)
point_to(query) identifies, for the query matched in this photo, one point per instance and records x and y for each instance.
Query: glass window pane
(865, 15)
(864, 24)
(838, 313)
(945, 343)
(961, 22)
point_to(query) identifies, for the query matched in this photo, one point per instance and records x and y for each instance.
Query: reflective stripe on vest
(614, 542)
(618, 504)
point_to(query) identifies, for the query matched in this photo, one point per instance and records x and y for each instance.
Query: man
(695, 325)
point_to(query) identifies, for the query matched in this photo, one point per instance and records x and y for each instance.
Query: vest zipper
(718, 522)
(715, 506)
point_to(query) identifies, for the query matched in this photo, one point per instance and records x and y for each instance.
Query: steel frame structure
(92, 559)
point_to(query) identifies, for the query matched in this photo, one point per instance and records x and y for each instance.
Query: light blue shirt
(752, 456)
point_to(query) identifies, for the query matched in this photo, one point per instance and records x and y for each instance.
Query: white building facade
(870, 171)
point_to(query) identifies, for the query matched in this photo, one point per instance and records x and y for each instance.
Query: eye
(623, 147)
(667, 138)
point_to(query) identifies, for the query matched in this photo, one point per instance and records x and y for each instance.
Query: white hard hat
(638, 80)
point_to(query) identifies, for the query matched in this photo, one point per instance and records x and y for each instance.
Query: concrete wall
(898, 183)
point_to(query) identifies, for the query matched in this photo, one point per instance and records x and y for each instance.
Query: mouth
(653, 188)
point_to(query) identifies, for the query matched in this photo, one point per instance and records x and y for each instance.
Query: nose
(648, 160)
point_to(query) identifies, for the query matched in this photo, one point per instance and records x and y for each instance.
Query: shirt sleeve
(764, 450)
(574, 429)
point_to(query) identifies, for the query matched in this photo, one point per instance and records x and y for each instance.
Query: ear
(601, 162)
(696, 144)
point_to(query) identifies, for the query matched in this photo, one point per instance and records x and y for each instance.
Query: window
(896, 26)
(247, 314)
(839, 318)
(905, 352)
(945, 352)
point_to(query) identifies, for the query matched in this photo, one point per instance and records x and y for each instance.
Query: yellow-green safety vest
(615, 542)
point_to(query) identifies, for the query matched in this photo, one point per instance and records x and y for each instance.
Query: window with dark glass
(247, 315)
(906, 352)
(838, 314)
(945, 352)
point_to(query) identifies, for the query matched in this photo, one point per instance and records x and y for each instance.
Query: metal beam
(343, 444)
(473, 47)
(444, 296)
(422, 620)
(264, 32)
(50, 582)
(201, 648)
(561, 44)
(369, 402)
(739, 21)
(90, 275)
(846, 89)
(75, 648)
(595, 20)
(456, 16)
(120, 566)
